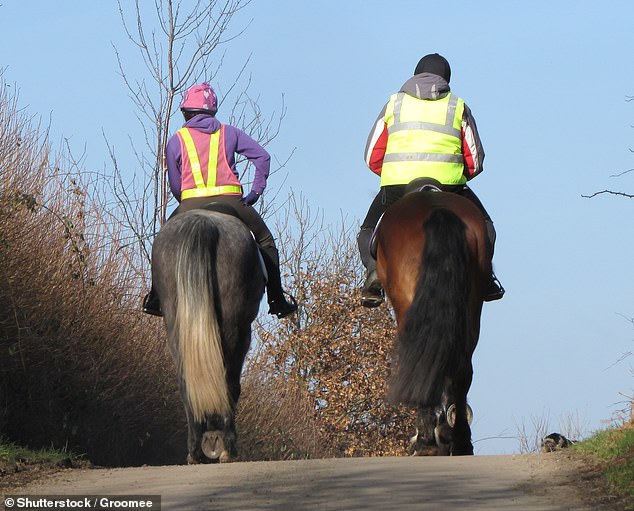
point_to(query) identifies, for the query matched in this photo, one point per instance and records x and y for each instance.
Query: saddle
(423, 184)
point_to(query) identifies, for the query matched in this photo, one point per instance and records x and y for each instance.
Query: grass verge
(21, 465)
(612, 453)
(11, 453)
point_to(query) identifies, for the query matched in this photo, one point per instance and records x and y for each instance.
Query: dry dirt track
(516, 482)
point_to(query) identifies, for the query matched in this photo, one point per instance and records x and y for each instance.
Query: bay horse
(207, 273)
(433, 259)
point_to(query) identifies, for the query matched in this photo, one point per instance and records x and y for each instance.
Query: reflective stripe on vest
(424, 140)
(209, 188)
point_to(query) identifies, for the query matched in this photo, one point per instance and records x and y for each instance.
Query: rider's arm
(471, 145)
(376, 144)
(173, 161)
(257, 155)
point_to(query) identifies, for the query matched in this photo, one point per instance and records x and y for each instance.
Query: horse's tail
(200, 345)
(432, 344)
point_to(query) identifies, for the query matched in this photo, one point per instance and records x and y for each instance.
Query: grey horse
(207, 271)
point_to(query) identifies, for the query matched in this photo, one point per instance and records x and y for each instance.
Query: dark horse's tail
(432, 343)
(200, 343)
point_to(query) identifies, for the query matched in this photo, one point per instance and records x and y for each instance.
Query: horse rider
(424, 131)
(201, 169)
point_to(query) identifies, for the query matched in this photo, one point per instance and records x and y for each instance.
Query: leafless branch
(624, 172)
(611, 192)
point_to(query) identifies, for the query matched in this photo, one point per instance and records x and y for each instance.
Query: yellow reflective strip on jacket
(209, 191)
(424, 140)
(192, 154)
(212, 167)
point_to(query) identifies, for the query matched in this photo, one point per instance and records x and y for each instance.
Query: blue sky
(547, 83)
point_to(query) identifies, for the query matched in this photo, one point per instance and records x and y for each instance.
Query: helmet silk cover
(200, 97)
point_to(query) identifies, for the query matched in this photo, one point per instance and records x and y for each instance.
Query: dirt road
(516, 482)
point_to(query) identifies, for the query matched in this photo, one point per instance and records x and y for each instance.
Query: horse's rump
(207, 273)
(430, 263)
(429, 344)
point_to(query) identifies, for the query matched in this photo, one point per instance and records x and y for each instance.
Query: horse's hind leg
(219, 438)
(443, 434)
(461, 431)
(219, 441)
(423, 443)
(195, 454)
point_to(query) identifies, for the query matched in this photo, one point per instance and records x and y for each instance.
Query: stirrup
(371, 300)
(284, 308)
(151, 305)
(372, 292)
(495, 290)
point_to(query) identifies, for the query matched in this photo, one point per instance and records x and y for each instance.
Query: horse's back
(401, 227)
(416, 207)
(227, 225)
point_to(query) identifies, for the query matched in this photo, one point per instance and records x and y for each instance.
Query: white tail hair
(200, 345)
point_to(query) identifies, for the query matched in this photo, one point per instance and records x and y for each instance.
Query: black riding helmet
(434, 64)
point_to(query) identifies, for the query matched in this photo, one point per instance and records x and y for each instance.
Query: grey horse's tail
(200, 344)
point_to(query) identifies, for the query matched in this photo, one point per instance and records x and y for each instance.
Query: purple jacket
(236, 141)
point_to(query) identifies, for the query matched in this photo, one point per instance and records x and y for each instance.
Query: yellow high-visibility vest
(209, 188)
(424, 140)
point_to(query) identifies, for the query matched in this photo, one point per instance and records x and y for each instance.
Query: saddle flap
(423, 184)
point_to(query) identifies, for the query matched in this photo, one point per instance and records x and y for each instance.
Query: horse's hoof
(443, 434)
(418, 447)
(466, 450)
(424, 450)
(213, 446)
(193, 460)
(451, 415)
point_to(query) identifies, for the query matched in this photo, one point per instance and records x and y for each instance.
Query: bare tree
(179, 43)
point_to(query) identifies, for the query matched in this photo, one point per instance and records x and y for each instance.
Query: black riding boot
(151, 304)
(371, 292)
(278, 305)
(494, 290)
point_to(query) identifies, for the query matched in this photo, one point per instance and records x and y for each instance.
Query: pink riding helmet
(200, 97)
